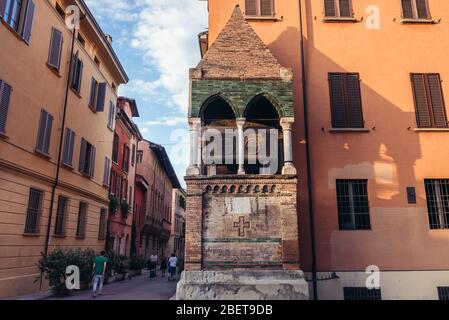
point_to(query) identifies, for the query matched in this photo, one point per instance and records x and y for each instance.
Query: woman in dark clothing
(163, 266)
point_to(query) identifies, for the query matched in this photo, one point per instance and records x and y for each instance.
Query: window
(353, 205)
(97, 95)
(107, 168)
(115, 147)
(139, 156)
(77, 73)
(443, 293)
(69, 141)
(102, 225)
(81, 39)
(429, 101)
(54, 54)
(87, 158)
(5, 94)
(338, 8)
(34, 211)
(259, 8)
(361, 293)
(125, 158)
(82, 221)
(133, 155)
(60, 10)
(111, 117)
(415, 9)
(346, 102)
(437, 193)
(19, 15)
(61, 215)
(44, 133)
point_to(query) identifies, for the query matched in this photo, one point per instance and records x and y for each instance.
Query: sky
(156, 42)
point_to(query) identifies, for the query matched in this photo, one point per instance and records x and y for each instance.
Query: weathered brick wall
(241, 222)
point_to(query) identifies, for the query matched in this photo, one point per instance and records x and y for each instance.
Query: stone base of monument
(243, 285)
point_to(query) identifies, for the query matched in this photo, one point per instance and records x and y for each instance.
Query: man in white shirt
(172, 261)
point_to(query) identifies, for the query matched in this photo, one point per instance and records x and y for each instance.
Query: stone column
(288, 167)
(194, 129)
(241, 146)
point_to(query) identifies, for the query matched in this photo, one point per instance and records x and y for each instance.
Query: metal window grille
(361, 293)
(353, 205)
(34, 211)
(443, 293)
(82, 220)
(437, 193)
(61, 214)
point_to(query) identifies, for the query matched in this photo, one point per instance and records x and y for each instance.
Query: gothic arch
(274, 102)
(214, 98)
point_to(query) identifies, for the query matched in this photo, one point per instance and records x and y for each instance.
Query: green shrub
(113, 204)
(136, 263)
(119, 263)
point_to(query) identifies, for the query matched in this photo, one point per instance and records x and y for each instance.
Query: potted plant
(113, 204)
(125, 208)
(136, 264)
(120, 267)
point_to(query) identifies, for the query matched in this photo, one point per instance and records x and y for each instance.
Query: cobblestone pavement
(139, 288)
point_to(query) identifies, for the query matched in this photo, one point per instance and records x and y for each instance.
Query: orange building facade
(34, 76)
(374, 88)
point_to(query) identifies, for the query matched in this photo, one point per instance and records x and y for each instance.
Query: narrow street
(139, 288)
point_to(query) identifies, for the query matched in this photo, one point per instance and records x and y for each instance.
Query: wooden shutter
(79, 75)
(107, 164)
(133, 155)
(101, 97)
(48, 133)
(93, 152)
(337, 96)
(329, 8)
(251, 7)
(111, 115)
(82, 219)
(28, 22)
(2, 7)
(61, 216)
(93, 92)
(44, 132)
(354, 101)
(54, 54)
(34, 209)
(437, 102)
(407, 9)
(266, 8)
(83, 155)
(69, 140)
(102, 225)
(5, 94)
(345, 8)
(423, 117)
(421, 9)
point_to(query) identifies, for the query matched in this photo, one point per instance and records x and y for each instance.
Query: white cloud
(114, 10)
(167, 121)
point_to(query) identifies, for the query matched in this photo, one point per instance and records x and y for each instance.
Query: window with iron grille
(34, 211)
(429, 101)
(415, 9)
(353, 204)
(5, 94)
(361, 293)
(443, 293)
(437, 193)
(346, 100)
(338, 8)
(61, 215)
(102, 224)
(82, 221)
(259, 8)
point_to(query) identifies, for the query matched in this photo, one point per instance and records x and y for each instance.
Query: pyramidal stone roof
(238, 53)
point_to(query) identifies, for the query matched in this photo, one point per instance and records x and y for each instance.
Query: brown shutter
(266, 8)
(437, 101)
(48, 133)
(419, 92)
(93, 152)
(337, 96)
(421, 8)
(101, 96)
(251, 7)
(28, 22)
(83, 155)
(345, 8)
(54, 54)
(329, 8)
(5, 94)
(354, 101)
(79, 75)
(107, 164)
(407, 9)
(67, 137)
(93, 92)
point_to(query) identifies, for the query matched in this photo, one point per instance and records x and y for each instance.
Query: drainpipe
(309, 165)
(61, 139)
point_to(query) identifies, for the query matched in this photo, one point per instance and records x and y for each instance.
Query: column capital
(287, 122)
(194, 122)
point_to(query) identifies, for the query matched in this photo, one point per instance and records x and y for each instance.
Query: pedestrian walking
(163, 266)
(172, 261)
(99, 271)
(153, 265)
